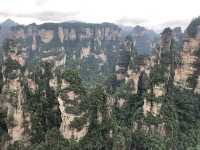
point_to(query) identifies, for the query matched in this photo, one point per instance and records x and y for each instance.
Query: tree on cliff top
(193, 27)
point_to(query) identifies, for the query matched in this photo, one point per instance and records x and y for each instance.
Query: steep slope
(149, 103)
(187, 74)
(5, 30)
(144, 39)
(90, 48)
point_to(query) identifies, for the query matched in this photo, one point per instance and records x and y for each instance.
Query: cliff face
(6, 30)
(90, 48)
(13, 97)
(187, 71)
(144, 39)
(65, 32)
(152, 79)
(37, 93)
(68, 117)
(187, 59)
(56, 47)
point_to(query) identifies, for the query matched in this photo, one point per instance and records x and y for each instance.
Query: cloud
(131, 21)
(52, 16)
(41, 2)
(172, 24)
(43, 16)
(6, 14)
(176, 23)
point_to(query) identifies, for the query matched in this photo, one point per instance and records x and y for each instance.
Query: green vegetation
(41, 104)
(158, 74)
(193, 27)
(193, 79)
(115, 117)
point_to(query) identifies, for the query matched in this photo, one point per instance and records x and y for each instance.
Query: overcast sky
(150, 13)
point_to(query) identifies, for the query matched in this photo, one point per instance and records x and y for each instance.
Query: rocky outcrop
(6, 30)
(69, 101)
(70, 32)
(85, 52)
(19, 120)
(153, 108)
(13, 97)
(73, 45)
(144, 39)
(188, 58)
(46, 35)
(126, 54)
(61, 34)
(65, 128)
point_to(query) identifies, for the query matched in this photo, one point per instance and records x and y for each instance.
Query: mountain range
(144, 38)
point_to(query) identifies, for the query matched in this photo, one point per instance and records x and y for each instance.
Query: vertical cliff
(90, 48)
(187, 74)
(13, 96)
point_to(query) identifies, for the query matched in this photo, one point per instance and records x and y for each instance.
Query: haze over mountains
(144, 38)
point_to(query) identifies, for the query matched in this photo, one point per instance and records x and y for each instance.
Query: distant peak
(8, 20)
(8, 23)
(139, 28)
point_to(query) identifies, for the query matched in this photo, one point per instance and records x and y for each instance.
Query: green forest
(104, 105)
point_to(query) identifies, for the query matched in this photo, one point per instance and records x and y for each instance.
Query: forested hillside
(77, 86)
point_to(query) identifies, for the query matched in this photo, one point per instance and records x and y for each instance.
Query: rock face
(149, 87)
(85, 52)
(153, 108)
(144, 39)
(187, 73)
(64, 32)
(13, 98)
(124, 58)
(6, 30)
(61, 34)
(166, 37)
(75, 45)
(53, 44)
(17, 131)
(69, 101)
(178, 36)
(83, 46)
(46, 35)
(188, 59)
(65, 129)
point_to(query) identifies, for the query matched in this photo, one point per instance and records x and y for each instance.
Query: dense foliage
(115, 117)
(42, 104)
(193, 27)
